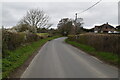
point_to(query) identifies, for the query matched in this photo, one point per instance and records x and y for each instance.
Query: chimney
(107, 23)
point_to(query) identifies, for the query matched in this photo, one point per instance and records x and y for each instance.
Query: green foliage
(25, 28)
(17, 57)
(30, 37)
(65, 26)
(106, 56)
(84, 47)
(110, 57)
(42, 30)
(68, 26)
(101, 42)
(44, 35)
(11, 41)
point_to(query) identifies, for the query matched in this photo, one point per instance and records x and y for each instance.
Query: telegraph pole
(75, 16)
(76, 24)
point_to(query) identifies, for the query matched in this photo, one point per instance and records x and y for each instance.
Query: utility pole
(76, 24)
(75, 16)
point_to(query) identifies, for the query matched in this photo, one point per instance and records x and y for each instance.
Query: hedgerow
(101, 42)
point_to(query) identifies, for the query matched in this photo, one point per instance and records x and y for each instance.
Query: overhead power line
(90, 7)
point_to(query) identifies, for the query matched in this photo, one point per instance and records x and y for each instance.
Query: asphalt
(57, 59)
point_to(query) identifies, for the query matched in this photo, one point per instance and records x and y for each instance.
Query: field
(43, 34)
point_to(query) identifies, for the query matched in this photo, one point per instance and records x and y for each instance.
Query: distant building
(105, 28)
(117, 29)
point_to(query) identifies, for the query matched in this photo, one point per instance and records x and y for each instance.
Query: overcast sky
(103, 12)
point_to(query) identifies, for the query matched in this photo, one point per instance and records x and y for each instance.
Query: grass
(106, 56)
(42, 34)
(0, 68)
(17, 57)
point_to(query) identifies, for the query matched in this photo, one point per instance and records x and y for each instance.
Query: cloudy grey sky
(104, 12)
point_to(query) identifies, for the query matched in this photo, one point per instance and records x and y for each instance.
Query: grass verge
(17, 57)
(105, 56)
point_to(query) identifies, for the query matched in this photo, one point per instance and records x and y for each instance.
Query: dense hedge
(101, 42)
(11, 40)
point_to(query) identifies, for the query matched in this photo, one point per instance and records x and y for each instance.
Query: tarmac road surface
(57, 59)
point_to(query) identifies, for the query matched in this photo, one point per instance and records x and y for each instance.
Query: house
(117, 29)
(105, 28)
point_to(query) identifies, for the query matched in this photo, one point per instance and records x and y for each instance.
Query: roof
(104, 25)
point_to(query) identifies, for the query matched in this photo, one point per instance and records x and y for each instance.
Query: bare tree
(35, 18)
(49, 25)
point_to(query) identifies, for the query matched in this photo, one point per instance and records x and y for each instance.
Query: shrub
(30, 37)
(11, 41)
(25, 28)
(101, 42)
